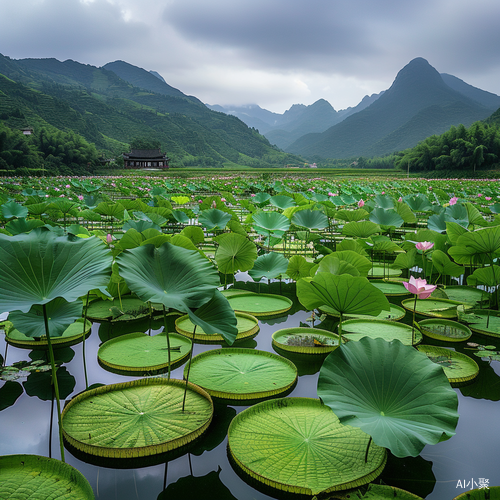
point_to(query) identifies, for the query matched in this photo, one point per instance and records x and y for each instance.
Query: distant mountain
(418, 104)
(110, 111)
(487, 99)
(284, 129)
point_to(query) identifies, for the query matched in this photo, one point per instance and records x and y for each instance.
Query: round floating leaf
(269, 265)
(241, 374)
(305, 340)
(392, 392)
(235, 253)
(298, 445)
(32, 477)
(40, 266)
(445, 330)
(136, 419)
(138, 353)
(260, 304)
(356, 329)
(437, 308)
(247, 326)
(488, 493)
(458, 367)
(485, 321)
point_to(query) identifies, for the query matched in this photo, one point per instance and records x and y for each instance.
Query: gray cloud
(271, 53)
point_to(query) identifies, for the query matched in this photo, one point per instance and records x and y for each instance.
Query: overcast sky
(274, 53)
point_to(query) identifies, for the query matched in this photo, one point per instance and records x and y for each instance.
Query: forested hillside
(109, 112)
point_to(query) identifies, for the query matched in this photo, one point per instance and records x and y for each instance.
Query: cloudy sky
(274, 53)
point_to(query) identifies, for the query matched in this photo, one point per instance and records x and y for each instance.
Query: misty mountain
(418, 104)
(110, 111)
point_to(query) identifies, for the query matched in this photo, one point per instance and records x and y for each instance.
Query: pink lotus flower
(424, 245)
(487, 198)
(419, 287)
(479, 195)
(400, 199)
(223, 200)
(80, 197)
(109, 239)
(453, 200)
(253, 195)
(361, 203)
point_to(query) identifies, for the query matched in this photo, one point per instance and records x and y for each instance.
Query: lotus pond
(268, 278)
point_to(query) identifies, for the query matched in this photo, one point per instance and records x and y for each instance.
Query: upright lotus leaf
(298, 267)
(444, 265)
(310, 219)
(13, 209)
(261, 198)
(194, 233)
(344, 293)
(269, 265)
(282, 201)
(405, 212)
(418, 202)
(474, 215)
(488, 276)
(180, 216)
(457, 213)
(41, 266)
(180, 199)
(478, 247)
(334, 265)
(270, 222)
(214, 218)
(115, 210)
(361, 263)
(140, 225)
(361, 229)
(383, 201)
(235, 253)
(60, 314)
(170, 275)
(392, 392)
(437, 222)
(386, 217)
(453, 231)
(352, 215)
(22, 225)
(216, 317)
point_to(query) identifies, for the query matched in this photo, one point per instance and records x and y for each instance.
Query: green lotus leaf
(392, 392)
(444, 265)
(39, 267)
(298, 267)
(453, 231)
(386, 217)
(478, 246)
(269, 265)
(361, 229)
(310, 219)
(140, 225)
(351, 215)
(170, 275)
(20, 226)
(488, 493)
(361, 263)
(235, 253)
(334, 265)
(216, 317)
(346, 294)
(270, 222)
(261, 198)
(13, 209)
(418, 202)
(60, 314)
(194, 233)
(282, 201)
(214, 218)
(489, 276)
(40, 384)
(115, 210)
(405, 212)
(31, 477)
(458, 214)
(180, 216)
(383, 201)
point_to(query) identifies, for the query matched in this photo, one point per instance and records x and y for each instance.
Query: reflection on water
(471, 454)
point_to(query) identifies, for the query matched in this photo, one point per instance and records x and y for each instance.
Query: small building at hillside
(145, 158)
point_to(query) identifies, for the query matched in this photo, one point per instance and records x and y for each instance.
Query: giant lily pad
(435, 308)
(32, 477)
(260, 304)
(247, 326)
(458, 367)
(488, 493)
(126, 309)
(395, 313)
(403, 404)
(71, 336)
(484, 321)
(298, 445)
(241, 374)
(356, 329)
(305, 340)
(136, 419)
(390, 288)
(138, 353)
(445, 330)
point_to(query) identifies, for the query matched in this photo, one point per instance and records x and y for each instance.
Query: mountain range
(421, 102)
(118, 102)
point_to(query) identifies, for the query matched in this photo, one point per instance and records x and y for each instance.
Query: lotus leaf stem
(188, 368)
(168, 342)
